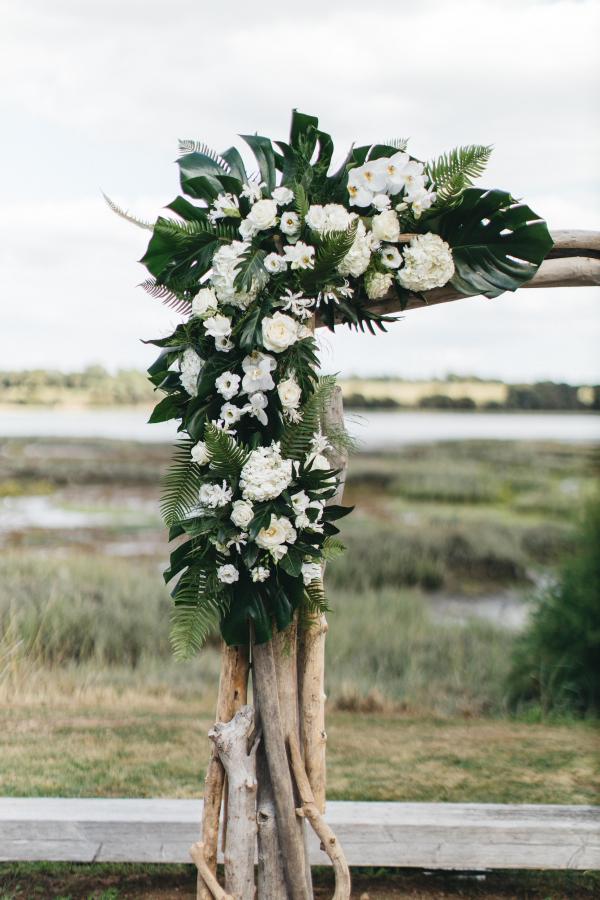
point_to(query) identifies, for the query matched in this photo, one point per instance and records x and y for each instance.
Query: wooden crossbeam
(574, 261)
(421, 835)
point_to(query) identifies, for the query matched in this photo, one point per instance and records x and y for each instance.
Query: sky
(94, 96)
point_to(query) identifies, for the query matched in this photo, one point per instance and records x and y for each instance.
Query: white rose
(274, 263)
(274, 534)
(385, 226)
(200, 454)
(282, 196)
(289, 393)
(263, 214)
(247, 230)
(279, 332)
(228, 574)
(218, 326)
(315, 217)
(205, 303)
(242, 513)
(377, 284)
(290, 223)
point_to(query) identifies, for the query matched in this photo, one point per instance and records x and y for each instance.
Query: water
(373, 430)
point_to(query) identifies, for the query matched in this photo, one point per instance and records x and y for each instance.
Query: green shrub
(557, 659)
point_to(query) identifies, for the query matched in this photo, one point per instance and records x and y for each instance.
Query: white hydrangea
(190, 367)
(428, 263)
(210, 496)
(356, 261)
(311, 572)
(331, 217)
(265, 474)
(377, 284)
(225, 264)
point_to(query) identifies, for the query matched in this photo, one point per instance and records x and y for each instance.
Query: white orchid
(300, 255)
(257, 368)
(256, 407)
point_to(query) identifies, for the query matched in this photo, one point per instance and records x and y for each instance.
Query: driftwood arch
(252, 796)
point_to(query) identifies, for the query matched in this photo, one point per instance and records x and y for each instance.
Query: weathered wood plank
(424, 835)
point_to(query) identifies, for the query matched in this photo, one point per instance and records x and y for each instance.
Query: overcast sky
(95, 95)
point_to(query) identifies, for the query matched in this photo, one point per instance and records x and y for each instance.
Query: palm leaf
(180, 485)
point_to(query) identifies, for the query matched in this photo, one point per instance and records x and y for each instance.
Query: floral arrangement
(251, 262)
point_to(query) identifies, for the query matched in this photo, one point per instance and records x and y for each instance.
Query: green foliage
(227, 457)
(250, 268)
(198, 606)
(179, 301)
(330, 251)
(180, 485)
(557, 660)
(316, 601)
(296, 438)
(454, 171)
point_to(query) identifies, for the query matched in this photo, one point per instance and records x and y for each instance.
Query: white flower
(301, 521)
(225, 263)
(357, 259)
(377, 284)
(256, 407)
(300, 502)
(279, 531)
(381, 202)
(421, 200)
(247, 229)
(392, 166)
(282, 196)
(211, 496)
(297, 304)
(428, 263)
(257, 368)
(227, 385)
(253, 191)
(391, 257)
(265, 474)
(411, 176)
(359, 196)
(263, 215)
(311, 572)
(228, 574)
(290, 223)
(385, 226)
(238, 541)
(289, 393)
(370, 176)
(242, 513)
(218, 326)
(315, 217)
(274, 263)
(205, 303)
(223, 343)
(331, 217)
(230, 413)
(300, 255)
(190, 367)
(318, 463)
(200, 454)
(279, 332)
(260, 573)
(225, 205)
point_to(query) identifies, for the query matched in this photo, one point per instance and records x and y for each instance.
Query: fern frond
(454, 171)
(296, 438)
(332, 548)
(301, 200)
(199, 147)
(180, 485)
(141, 223)
(185, 230)
(397, 143)
(227, 457)
(315, 599)
(177, 300)
(196, 613)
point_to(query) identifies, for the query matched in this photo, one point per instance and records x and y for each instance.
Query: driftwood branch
(574, 261)
(233, 690)
(197, 853)
(310, 810)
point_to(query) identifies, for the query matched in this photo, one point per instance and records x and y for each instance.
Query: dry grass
(409, 393)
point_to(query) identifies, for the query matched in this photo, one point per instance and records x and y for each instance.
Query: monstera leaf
(497, 243)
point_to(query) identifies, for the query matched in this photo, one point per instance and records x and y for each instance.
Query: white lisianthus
(223, 343)
(279, 531)
(290, 223)
(263, 215)
(391, 257)
(381, 202)
(228, 385)
(282, 196)
(242, 513)
(200, 454)
(205, 303)
(265, 474)
(377, 284)
(300, 255)
(385, 226)
(257, 368)
(260, 573)
(210, 496)
(311, 572)
(357, 260)
(230, 413)
(228, 574)
(274, 263)
(190, 367)
(226, 205)
(428, 263)
(256, 407)
(300, 501)
(290, 393)
(279, 332)
(218, 326)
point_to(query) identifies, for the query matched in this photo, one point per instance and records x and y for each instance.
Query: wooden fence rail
(422, 835)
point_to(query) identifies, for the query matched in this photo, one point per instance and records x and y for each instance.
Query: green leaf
(332, 548)
(303, 129)
(454, 171)
(265, 157)
(198, 607)
(250, 268)
(167, 409)
(180, 485)
(497, 243)
(248, 331)
(292, 562)
(227, 457)
(296, 438)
